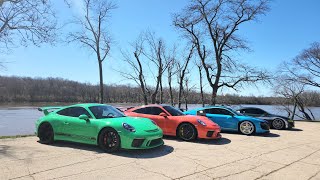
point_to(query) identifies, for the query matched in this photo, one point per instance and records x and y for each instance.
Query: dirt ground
(286, 154)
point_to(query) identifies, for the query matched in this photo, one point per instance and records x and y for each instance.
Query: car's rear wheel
(187, 132)
(46, 134)
(278, 124)
(246, 127)
(109, 140)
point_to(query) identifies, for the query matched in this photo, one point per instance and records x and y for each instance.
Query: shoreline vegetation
(16, 91)
(17, 136)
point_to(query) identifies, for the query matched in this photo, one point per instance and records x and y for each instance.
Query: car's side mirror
(84, 117)
(163, 114)
(201, 113)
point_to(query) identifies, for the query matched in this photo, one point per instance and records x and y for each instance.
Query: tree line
(35, 90)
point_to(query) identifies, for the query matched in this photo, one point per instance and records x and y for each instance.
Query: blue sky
(289, 27)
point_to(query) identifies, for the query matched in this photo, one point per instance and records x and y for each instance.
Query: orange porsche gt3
(174, 123)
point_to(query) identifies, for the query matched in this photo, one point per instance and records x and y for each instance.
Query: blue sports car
(230, 120)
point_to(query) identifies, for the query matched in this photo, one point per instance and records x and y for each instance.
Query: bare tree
(150, 57)
(171, 73)
(295, 97)
(93, 32)
(155, 53)
(186, 91)
(305, 68)
(182, 71)
(26, 21)
(212, 24)
(200, 68)
(136, 64)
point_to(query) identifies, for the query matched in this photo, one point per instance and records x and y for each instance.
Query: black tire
(278, 124)
(45, 133)
(186, 132)
(109, 140)
(247, 128)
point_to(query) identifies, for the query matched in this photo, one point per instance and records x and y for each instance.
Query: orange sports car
(174, 123)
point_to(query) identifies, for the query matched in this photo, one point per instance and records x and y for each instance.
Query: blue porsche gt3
(230, 120)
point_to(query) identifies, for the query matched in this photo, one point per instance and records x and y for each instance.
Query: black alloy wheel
(278, 124)
(46, 134)
(109, 140)
(187, 132)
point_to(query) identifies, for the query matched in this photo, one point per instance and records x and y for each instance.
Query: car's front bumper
(212, 132)
(141, 140)
(290, 123)
(262, 127)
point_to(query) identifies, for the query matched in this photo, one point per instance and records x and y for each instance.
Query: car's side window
(218, 111)
(259, 111)
(74, 112)
(140, 111)
(156, 110)
(64, 112)
(149, 110)
(253, 111)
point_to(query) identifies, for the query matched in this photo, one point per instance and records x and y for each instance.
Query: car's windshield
(104, 111)
(173, 111)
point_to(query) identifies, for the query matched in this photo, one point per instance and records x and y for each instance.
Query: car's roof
(249, 108)
(152, 105)
(149, 105)
(87, 105)
(207, 107)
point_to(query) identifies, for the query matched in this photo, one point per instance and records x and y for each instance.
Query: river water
(21, 120)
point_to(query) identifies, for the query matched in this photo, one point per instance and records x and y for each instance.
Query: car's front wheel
(278, 124)
(187, 132)
(109, 140)
(45, 133)
(246, 127)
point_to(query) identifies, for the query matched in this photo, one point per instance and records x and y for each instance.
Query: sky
(288, 28)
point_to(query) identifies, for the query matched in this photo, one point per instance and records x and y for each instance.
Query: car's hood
(250, 118)
(136, 122)
(193, 118)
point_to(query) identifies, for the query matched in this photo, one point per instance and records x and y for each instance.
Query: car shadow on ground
(136, 153)
(145, 153)
(220, 141)
(74, 145)
(269, 135)
(294, 129)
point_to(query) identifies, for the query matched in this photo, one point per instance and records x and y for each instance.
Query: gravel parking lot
(293, 154)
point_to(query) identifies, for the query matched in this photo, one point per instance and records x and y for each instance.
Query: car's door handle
(66, 123)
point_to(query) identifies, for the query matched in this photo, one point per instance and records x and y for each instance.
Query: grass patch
(17, 136)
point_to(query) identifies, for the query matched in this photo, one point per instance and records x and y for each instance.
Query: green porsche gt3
(97, 124)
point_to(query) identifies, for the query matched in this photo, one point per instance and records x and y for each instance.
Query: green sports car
(97, 124)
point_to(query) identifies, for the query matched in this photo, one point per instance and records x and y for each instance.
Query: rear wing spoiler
(49, 109)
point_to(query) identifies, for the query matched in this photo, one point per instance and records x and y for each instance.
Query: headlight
(128, 127)
(201, 122)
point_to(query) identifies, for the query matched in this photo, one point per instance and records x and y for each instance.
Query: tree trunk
(161, 91)
(170, 88)
(101, 82)
(294, 109)
(201, 86)
(214, 96)
(180, 92)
